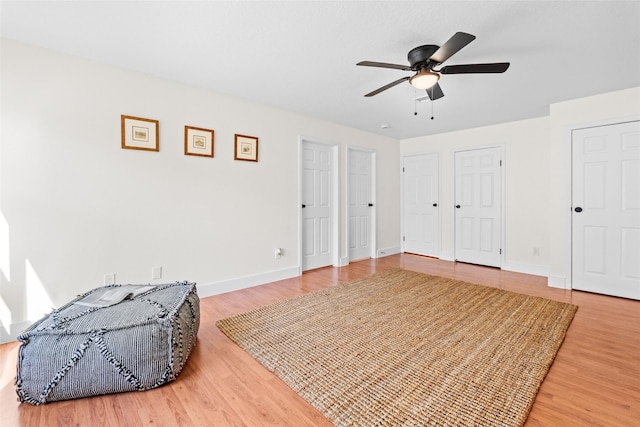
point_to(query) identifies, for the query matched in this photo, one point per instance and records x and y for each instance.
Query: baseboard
(446, 256)
(520, 267)
(215, 288)
(387, 251)
(557, 282)
(14, 330)
(204, 290)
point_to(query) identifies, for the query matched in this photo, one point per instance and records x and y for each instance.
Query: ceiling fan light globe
(424, 80)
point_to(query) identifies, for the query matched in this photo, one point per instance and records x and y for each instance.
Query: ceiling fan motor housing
(419, 56)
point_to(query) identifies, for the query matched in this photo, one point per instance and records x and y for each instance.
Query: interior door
(361, 204)
(605, 256)
(317, 205)
(478, 206)
(421, 210)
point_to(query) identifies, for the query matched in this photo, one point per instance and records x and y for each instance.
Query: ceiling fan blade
(384, 65)
(496, 67)
(434, 92)
(385, 87)
(454, 44)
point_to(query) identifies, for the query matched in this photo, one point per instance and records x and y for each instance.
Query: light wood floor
(594, 381)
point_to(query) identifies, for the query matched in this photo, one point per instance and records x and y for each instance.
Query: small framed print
(246, 148)
(198, 141)
(139, 133)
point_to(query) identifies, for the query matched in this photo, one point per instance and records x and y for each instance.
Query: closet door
(318, 205)
(478, 206)
(421, 206)
(361, 206)
(605, 223)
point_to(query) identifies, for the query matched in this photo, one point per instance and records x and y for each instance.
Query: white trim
(299, 206)
(521, 267)
(221, 287)
(503, 206)
(15, 329)
(204, 290)
(374, 200)
(558, 282)
(387, 251)
(381, 252)
(446, 256)
(336, 205)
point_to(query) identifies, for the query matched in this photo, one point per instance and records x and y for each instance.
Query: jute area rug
(405, 348)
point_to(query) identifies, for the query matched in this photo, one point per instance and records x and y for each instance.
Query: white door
(317, 205)
(421, 210)
(606, 210)
(361, 204)
(478, 206)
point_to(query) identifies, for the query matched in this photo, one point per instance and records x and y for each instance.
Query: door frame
(372, 232)
(335, 199)
(402, 201)
(569, 192)
(503, 186)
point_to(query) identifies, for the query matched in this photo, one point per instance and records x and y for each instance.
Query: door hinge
(500, 251)
(403, 169)
(403, 238)
(500, 162)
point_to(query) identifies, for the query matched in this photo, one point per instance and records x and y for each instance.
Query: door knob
(578, 209)
(370, 204)
(304, 206)
(457, 206)
(435, 205)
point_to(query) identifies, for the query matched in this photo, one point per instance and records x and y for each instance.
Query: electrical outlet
(156, 273)
(110, 279)
(536, 251)
(279, 252)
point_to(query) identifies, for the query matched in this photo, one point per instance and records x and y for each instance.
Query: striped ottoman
(111, 339)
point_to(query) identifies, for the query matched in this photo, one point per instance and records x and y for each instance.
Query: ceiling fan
(424, 59)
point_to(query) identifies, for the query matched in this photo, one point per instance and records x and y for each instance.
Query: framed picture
(198, 141)
(139, 133)
(246, 148)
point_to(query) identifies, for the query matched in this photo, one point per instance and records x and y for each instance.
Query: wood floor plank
(594, 381)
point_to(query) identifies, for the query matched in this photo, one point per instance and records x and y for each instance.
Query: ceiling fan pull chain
(431, 102)
(415, 102)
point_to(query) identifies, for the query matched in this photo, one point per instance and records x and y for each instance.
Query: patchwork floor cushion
(111, 339)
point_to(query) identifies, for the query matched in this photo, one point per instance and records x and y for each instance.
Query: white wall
(75, 206)
(591, 111)
(537, 166)
(525, 146)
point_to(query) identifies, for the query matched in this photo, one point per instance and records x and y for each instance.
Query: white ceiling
(301, 55)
